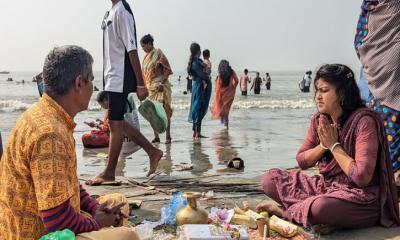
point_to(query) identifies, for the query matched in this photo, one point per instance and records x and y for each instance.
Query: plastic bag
(65, 234)
(168, 214)
(220, 216)
(154, 112)
(131, 116)
(144, 231)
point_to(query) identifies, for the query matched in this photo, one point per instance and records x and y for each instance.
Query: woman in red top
(100, 137)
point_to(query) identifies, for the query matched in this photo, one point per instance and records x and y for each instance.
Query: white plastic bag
(131, 116)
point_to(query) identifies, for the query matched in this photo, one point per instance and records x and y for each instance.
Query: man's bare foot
(155, 157)
(272, 209)
(99, 179)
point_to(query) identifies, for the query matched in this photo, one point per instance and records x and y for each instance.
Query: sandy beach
(266, 131)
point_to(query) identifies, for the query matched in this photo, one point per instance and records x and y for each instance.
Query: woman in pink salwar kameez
(347, 142)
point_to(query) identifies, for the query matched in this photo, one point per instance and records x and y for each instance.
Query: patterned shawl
(151, 61)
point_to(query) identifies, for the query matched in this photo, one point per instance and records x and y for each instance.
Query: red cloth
(98, 138)
(224, 96)
(370, 177)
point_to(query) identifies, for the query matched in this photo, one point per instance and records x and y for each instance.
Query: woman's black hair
(194, 50)
(346, 87)
(225, 72)
(102, 96)
(146, 39)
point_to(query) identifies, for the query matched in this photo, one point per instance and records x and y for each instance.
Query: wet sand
(261, 143)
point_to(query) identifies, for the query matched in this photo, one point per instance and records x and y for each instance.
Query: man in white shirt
(244, 80)
(122, 75)
(307, 83)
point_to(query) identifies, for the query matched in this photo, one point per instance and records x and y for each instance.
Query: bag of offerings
(154, 113)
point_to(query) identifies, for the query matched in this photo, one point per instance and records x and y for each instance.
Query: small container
(191, 214)
(263, 227)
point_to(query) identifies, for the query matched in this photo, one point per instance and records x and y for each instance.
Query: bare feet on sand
(155, 157)
(99, 179)
(272, 209)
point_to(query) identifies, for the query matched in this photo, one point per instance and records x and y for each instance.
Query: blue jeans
(363, 86)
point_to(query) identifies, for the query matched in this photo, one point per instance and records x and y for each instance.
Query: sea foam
(7, 106)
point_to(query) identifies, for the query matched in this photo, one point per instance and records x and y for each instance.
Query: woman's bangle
(333, 146)
(323, 147)
(141, 87)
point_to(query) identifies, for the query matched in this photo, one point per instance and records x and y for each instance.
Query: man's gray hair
(63, 65)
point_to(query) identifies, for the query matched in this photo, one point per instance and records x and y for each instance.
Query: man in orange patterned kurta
(39, 187)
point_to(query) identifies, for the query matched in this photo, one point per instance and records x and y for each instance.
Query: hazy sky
(256, 34)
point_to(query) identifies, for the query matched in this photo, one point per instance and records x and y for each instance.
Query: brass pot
(191, 214)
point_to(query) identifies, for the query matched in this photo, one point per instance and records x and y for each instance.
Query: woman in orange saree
(225, 90)
(156, 70)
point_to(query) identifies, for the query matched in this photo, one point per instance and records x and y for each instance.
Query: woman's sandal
(156, 140)
(168, 140)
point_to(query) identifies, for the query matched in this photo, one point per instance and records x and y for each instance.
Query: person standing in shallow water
(257, 81)
(269, 80)
(225, 89)
(156, 70)
(189, 84)
(244, 80)
(355, 187)
(200, 95)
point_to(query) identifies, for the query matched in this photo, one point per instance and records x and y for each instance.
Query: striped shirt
(380, 53)
(64, 216)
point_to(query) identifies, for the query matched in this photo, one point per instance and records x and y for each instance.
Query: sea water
(266, 130)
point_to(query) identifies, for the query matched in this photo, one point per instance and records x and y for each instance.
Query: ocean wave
(7, 106)
(257, 104)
